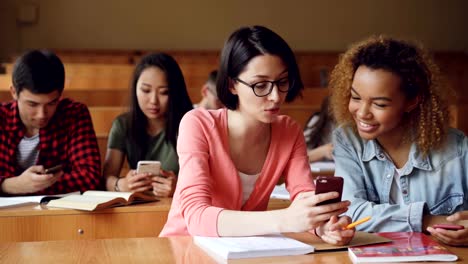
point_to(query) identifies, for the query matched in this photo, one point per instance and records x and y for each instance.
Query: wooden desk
(40, 223)
(147, 250)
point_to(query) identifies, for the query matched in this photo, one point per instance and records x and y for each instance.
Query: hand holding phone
(325, 184)
(149, 166)
(53, 169)
(449, 226)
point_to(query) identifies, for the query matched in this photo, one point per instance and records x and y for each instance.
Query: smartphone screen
(325, 184)
(149, 166)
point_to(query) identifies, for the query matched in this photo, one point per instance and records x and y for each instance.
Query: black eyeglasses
(264, 88)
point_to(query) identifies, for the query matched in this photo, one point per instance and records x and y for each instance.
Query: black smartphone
(53, 169)
(324, 184)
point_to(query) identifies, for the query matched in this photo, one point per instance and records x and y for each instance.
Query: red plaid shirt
(69, 139)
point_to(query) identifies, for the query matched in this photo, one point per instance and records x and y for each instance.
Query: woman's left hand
(452, 237)
(332, 231)
(164, 184)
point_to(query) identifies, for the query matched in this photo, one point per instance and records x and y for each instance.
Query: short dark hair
(245, 44)
(38, 71)
(178, 102)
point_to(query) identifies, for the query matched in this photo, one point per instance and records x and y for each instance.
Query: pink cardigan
(208, 180)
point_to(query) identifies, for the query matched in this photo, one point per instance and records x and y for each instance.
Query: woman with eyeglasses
(231, 158)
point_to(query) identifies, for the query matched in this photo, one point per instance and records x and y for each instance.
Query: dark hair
(322, 127)
(38, 71)
(178, 104)
(245, 44)
(420, 77)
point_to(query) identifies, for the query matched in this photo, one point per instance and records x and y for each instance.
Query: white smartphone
(149, 166)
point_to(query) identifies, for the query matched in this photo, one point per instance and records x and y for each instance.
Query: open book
(406, 247)
(6, 202)
(94, 200)
(251, 247)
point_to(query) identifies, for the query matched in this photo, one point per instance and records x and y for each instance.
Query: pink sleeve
(194, 181)
(297, 173)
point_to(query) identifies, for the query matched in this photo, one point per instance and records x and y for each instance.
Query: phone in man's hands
(149, 166)
(324, 184)
(53, 169)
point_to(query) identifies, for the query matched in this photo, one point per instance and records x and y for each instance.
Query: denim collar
(372, 149)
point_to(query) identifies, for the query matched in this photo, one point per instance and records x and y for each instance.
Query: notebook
(359, 239)
(405, 247)
(252, 247)
(6, 202)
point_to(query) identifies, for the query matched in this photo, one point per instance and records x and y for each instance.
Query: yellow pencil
(358, 222)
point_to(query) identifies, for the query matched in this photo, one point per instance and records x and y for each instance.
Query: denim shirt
(436, 184)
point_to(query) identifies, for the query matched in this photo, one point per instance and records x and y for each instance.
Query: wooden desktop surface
(40, 223)
(148, 250)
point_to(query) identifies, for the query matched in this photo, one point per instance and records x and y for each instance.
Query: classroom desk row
(149, 250)
(118, 235)
(40, 223)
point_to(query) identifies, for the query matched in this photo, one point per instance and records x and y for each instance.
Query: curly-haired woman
(402, 163)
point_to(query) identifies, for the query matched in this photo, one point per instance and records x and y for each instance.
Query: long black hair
(178, 104)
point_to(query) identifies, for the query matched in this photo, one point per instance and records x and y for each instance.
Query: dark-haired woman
(232, 158)
(148, 131)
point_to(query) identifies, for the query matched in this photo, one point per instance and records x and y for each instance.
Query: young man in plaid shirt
(39, 130)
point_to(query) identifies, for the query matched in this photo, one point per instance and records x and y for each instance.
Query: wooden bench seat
(119, 76)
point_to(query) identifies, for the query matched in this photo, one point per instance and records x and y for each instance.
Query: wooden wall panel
(97, 78)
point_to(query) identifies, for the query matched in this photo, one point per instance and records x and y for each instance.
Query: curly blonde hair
(428, 124)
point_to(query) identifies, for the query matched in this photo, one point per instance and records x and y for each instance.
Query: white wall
(204, 24)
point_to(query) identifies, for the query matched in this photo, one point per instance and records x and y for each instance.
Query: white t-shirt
(248, 183)
(28, 151)
(396, 196)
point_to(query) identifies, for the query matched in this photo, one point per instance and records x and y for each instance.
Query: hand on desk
(31, 180)
(332, 231)
(451, 237)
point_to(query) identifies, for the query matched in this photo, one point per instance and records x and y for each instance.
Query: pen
(358, 222)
